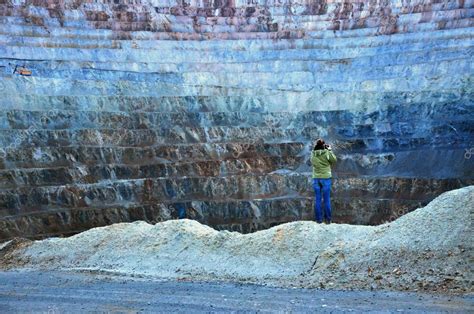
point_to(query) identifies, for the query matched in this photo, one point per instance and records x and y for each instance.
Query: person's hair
(320, 144)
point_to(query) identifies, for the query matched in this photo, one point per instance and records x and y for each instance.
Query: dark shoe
(319, 222)
(327, 222)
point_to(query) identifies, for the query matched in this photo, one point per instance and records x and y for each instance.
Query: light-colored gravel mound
(428, 249)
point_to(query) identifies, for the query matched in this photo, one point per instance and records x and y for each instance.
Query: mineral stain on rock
(220, 102)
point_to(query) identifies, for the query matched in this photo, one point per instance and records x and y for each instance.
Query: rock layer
(134, 109)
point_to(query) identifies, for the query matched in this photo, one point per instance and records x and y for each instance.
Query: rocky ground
(429, 249)
(64, 292)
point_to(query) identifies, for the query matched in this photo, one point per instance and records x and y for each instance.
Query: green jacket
(322, 160)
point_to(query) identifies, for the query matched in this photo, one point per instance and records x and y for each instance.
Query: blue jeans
(325, 186)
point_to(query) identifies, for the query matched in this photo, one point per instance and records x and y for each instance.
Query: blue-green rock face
(129, 110)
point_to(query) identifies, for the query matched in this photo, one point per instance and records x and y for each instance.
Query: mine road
(60, 292)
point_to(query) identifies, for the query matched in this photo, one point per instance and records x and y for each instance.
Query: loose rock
(303, 254)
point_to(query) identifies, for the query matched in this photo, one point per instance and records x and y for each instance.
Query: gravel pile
(429, 249)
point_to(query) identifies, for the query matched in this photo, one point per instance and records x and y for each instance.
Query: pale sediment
(428, 249)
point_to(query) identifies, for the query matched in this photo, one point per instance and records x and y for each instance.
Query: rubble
(426, 250)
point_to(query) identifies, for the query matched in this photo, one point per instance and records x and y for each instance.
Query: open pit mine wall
(136, 108)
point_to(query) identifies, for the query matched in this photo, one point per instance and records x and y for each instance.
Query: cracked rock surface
(129, 110)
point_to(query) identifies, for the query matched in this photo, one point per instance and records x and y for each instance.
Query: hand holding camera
(320, 144)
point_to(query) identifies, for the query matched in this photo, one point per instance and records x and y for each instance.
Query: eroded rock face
(135, 109)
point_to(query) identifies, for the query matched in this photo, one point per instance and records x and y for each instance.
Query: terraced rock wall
(137, 108)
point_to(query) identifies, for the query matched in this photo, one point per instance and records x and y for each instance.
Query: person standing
(322, 158)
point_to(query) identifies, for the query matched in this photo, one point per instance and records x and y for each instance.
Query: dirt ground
(66, 292)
